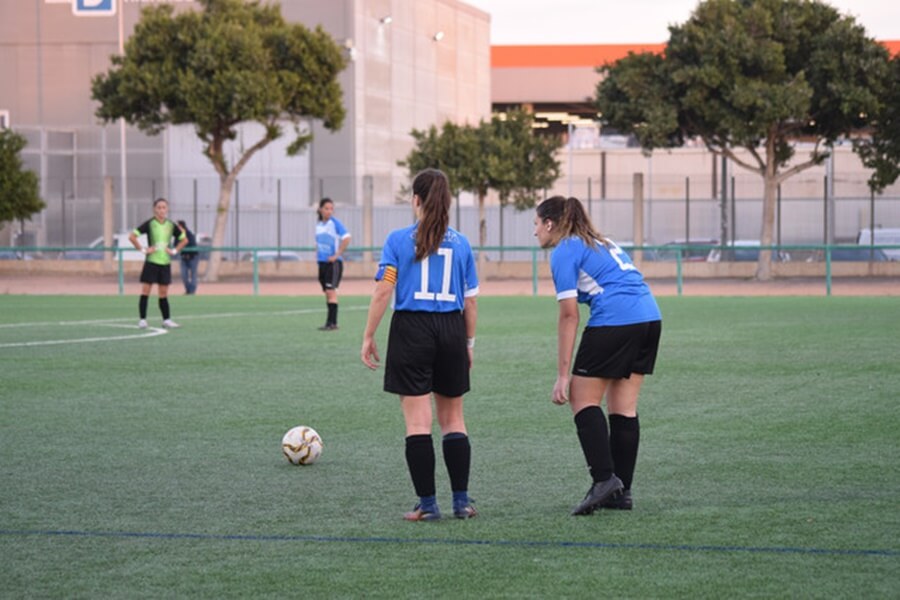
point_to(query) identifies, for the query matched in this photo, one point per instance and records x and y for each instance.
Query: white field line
(145, 333)
(150, 332)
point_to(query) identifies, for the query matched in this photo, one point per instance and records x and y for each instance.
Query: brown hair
(433, 190)
(322, 203)
(570, 219)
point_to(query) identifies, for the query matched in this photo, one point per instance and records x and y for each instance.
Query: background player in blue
(332, 238)
(618, 346)
(429, 269)
(158, 265)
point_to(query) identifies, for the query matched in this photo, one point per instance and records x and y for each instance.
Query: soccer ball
(301, 445)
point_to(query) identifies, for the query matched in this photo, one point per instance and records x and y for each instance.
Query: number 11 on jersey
(444, 295)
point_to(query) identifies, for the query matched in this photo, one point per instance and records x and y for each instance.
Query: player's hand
(369, 353)
(332, 258)
(171, 251)
(560, 390)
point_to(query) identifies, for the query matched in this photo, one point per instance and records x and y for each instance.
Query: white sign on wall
(94, 8)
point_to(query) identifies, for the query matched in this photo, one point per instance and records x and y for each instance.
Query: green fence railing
(677, 253)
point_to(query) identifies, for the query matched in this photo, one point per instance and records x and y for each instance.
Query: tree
(752, 74)
(19, 195)
(502, 154)
(232, 62)
(881, 151)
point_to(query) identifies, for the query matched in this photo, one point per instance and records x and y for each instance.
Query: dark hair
(433, 190)
(158, 200)
(183, 224)
(322, 203)
(570, 219)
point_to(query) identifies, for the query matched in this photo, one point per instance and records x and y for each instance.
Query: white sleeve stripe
(471, 292)
(345, 236)
(566, 294)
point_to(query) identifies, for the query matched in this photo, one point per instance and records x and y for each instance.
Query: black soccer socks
(142, 306)
(594, 437)
(164, 308)
(420, 460)
(624, 437)
(458, 458)
(332, 313)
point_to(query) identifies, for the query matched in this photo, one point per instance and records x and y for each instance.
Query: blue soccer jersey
(329, 236)
(438, 283)
(605, 279)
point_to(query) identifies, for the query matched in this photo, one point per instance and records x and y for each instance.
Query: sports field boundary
(449, 542)
(97, 285)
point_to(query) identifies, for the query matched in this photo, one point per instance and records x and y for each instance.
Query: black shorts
(616, 352)
(330, 274)
(427, 353)
(154, 273)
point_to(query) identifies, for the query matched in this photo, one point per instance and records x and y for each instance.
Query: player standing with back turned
(429, 268)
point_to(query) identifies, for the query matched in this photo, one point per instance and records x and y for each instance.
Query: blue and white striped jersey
(438, 283)
(605, 279)
(328, 238)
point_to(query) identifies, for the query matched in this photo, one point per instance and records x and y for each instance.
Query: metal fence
(688, 195)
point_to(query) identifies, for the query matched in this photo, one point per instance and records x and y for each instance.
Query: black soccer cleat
(599, 493)
(619, 501)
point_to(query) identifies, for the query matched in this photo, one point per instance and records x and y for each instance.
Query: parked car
(743, 251)
(10, 254)
(357, 255)
(696, 251)
(883, 235)
(95, 249)
(272, 256)
(204, 243)
(852, 253)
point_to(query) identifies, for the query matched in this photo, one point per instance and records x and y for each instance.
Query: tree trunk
(226, 185)
(770, 184)
(482, 229)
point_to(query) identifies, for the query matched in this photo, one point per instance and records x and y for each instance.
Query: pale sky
(636, 21)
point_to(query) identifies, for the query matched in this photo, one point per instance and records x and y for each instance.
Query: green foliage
(449, 149)
(502, 154)
(758, 75)
(881, 152)
(232, 62)
(636, 96)
(19, 192)
(743, 73)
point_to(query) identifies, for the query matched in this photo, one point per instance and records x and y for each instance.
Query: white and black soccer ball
(301, 445)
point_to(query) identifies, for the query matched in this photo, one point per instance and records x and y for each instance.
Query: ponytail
(570, 219)
(433, 190)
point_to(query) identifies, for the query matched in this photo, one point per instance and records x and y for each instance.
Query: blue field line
(450, 542)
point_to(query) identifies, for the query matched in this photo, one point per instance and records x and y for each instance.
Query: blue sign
(94, 8)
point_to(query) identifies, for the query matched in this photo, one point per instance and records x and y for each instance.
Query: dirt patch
(109, 285)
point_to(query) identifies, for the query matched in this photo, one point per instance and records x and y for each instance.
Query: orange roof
(565, 56)
(586, 55)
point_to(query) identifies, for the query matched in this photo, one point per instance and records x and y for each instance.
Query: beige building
(412, 63)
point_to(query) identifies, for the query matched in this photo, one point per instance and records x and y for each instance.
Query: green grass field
(151, 466)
